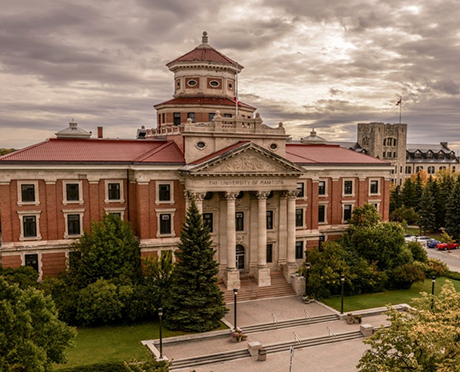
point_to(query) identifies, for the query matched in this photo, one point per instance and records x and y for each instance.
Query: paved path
(450, 258)
(341, 356)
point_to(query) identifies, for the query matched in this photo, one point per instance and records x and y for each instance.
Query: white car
(409, 238)
(423, 240)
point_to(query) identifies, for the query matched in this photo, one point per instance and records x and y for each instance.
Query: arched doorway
(240, 257)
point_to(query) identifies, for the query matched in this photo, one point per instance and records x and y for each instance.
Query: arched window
(430, 169)
(408, 169)
(365, 141)
(419, 168)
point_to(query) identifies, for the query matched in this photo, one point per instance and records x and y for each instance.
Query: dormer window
(192, 83)
(418, 155)
(429, 155)
(440, 155)
(214, 83)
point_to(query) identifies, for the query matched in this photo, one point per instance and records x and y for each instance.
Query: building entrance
(240, 257)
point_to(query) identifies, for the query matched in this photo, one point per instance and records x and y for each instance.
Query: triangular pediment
(248, 159)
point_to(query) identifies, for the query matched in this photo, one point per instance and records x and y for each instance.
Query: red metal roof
(206, 54)
(328, 154)
(98, 150)
(212, 101)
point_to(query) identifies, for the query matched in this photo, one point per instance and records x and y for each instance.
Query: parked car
(422, 240)
(409, 238)
(444, 246)
(432, 243)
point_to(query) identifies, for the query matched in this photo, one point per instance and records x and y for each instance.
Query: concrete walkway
(341, 356)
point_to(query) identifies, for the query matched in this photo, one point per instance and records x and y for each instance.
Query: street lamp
(160, 315)
(433, 281)
(235, 293)
(342, 281)
(307, 268)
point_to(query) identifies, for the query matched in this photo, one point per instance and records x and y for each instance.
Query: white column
(199, 196)
(262, 228)
(233, 275)
(187, 200)
(282, 228)
(291, 265)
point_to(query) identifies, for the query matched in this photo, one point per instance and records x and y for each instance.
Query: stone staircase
(249, 289)
(271, 348)
(289, 323)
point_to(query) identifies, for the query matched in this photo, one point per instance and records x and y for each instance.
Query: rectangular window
(176, 118)
(269, 253)
(321, 213)
(211, 116)
(165, 224)
(347, 212)
(298, 250)
(408, 169)
(31, 260)
(72, 192)
(227, 115)
(191, 115)
(374, 187)
(269, 220)
(164, 192)
(300, 190)
(30, 226)
(114, 191)
(117, 214)
(73, 224)
(322, 188)
(239, 221)
(27, 193)
(207, 220)
(348, 187)
(299, 217)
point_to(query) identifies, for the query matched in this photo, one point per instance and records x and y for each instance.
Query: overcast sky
(308, 63)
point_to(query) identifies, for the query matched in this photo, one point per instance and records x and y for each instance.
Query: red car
(444, 246)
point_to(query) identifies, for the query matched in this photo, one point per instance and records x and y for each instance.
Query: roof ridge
(4, 157)
(152, 151)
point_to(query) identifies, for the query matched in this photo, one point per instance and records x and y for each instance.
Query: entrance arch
(240, 257)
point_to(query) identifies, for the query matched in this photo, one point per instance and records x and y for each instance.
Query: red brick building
(265, 198)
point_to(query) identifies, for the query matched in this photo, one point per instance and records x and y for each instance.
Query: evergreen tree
(453, 212)
(195, 302)
(446, 183)
(395, 198)
(409, 197)
(427, 209)
(418, 187)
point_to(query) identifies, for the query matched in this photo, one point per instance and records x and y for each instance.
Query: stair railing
(297, 339)
(275, 321)
(307, 314)
(331, 334)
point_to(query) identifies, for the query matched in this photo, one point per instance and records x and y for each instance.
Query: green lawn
(113, 344)
(367, 301)
(434, 235)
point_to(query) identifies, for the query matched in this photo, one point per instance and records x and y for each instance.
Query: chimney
(100, 132)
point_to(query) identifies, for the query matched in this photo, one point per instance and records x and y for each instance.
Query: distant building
(265, 199)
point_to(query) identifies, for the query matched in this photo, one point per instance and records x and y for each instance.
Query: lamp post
(433, 281)
(160, 315)
(342, 281)
(235, 293)
(307, 268)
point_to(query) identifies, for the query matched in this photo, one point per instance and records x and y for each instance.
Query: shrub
(404, 214)
(437, 268)
(100, 303)
(403, 276)
(453, 275)
(24, 276)
(418, 252)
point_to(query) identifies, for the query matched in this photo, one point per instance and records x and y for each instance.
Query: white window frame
(344, 203)
(37, 200)
(304, 197)
(375, 203)
(116, 210)
(172, 212)
(64, 192)
(171, 192)
(325, 195)
(304, 217)
(122, 192)
(21, 215)
(378, 186)
(352, 187)
(325, 213)
(40, 266)
(66, 212)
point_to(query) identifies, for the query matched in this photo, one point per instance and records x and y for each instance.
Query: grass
(416, 231)
(114, 344)
(367, 301)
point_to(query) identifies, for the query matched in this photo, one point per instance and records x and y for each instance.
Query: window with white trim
(374, 187)
(299, 250)
(72, 192)
(322, 188)
(165, 192)
(321, 213)
(299, 218)
(300, 189)
(114, 192)
(239, 221)
(165, 222)
(347, 212)
(28, 193)
(73, 223)
(31, 260)
(120, 212)
(29, 222)
(347, 187)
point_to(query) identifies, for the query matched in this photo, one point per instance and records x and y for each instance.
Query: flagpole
(236, 89)
(400, 109)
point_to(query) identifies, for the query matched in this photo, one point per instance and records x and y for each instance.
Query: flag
(235, 99)
(399, 102)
